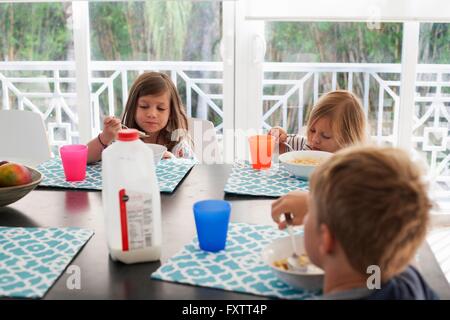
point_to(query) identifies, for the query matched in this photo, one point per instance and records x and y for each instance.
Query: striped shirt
(297, 142)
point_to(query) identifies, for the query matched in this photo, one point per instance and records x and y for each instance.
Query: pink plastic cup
(74, 160)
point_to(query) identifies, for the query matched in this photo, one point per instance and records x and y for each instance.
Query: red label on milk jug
(135, 219)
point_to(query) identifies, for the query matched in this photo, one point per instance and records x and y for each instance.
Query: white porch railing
(309, 76)
(178, 71)
(432, 103)
(48, 88)
(54, 98)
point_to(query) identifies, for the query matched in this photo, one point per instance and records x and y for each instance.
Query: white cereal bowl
(158, 151)
(301, 170)
(281, 249)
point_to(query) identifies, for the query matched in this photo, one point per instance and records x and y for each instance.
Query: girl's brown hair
(348, 121)
(157, 83)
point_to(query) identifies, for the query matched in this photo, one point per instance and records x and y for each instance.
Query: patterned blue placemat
(238, 268)
(169, 172)
(273, 182)
(32, 259)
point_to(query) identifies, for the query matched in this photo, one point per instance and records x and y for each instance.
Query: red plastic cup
(74, 160)
(261, 149)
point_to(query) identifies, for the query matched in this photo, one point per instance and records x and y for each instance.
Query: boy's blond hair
(375, 204)
(348, 121)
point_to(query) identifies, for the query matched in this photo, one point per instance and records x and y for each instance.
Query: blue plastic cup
(211, 220)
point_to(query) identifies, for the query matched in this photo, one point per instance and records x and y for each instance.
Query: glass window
(304, 60)
(181, 38)
(45, 37)
(36, 42)
(432, 108)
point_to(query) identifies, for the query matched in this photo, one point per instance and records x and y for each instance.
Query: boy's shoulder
(408, 285)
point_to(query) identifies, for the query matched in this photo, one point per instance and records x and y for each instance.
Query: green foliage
(147, 30)
(333, 42)
(434, 43)
(33, 32)
(183, 30)
(167, 21)
(109, 31)
(346, 42)
(158, 29)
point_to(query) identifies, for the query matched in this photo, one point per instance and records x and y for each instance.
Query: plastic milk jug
(131, 200)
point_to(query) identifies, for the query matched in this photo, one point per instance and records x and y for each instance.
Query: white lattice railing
(432, 103)
(179, 71)
(55, 98)
(309, 76)
(48, 88)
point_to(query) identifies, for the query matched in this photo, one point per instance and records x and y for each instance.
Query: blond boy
(367, 210)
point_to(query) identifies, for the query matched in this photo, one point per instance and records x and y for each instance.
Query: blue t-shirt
(408, 285)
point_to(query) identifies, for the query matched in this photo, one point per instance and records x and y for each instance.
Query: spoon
(141, 134)
(294, 260)
(289, 146)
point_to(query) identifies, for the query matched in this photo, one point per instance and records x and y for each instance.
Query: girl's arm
(280, 136)
(183, 150)
(95, 149)
(111, 127)
(297, 142)
(168, 155)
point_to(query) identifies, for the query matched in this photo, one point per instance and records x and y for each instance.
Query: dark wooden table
(101, 278)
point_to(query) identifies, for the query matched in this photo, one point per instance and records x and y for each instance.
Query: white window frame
(81, 40)
(244, 49)
(409, 12)
(349, 10)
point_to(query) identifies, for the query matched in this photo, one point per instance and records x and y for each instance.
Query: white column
(250, 50)
(228, 43)
(82, 68)
(410, 54)
(5, 95)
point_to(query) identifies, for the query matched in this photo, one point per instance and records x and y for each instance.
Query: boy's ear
(327, 241)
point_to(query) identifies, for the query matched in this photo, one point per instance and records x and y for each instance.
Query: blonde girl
(336, 121)
(154, 107)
